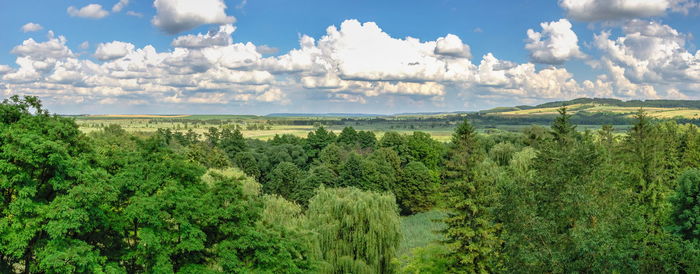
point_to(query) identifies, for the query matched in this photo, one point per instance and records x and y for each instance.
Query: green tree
(686, 206)
(211, 157)
(562, 128)
(416, 189)
(501, 153)
(51, 207)
(422, 147)
(366, 174)
(285, 180)
(347, 137)
(471, 229)
(231, 142)
(366, 139)
(317, 140)
(248, 164)
(358, 231)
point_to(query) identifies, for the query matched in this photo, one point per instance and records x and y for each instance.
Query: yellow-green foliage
(358, 231)
(250, 186)
(279, 211)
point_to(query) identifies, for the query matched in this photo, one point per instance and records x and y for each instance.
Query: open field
(149, 126)
(656, 112)
(136, 116)
(440, 126)
(588, 114)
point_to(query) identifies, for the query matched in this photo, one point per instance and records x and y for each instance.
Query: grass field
(655, 112)
(419, 230)
(269, 126)
(201, 123)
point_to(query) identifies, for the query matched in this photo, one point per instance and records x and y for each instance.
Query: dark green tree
(285, 180)
(347, 137)
(415, 190)
(316, 141)
(231, 142)
(686, 206)
(471, 229)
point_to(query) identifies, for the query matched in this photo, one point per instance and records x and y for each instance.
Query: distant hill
(663, 109)
(323, 115)
(694, 104)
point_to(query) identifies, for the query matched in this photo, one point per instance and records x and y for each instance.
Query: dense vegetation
(542, 200)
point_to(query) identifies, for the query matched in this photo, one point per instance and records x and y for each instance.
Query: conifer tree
(470, 229)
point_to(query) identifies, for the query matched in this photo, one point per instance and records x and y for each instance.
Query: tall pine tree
(470, 229)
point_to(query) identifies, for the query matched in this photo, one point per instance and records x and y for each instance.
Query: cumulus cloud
(352, 62)
(120, 5)
(220, 37)
(524, 80)
(5, 69)
(113, 50)
(54, 48)
(556, 43)
(359, 60)
(363, 52)
(648, 54)
(652, 52)
(29, 27)
(93, 11)
(175, 16)
(595, 10)
(265, 49)
(215, 73)
(451, 45)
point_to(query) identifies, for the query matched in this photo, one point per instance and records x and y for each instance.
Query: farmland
(589, 114)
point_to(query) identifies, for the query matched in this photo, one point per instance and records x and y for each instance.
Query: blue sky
(258, 57)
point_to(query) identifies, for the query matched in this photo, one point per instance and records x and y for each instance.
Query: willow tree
(358, 231)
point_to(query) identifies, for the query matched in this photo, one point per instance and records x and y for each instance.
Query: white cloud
(595, 10)
(451, 45)
(556, 43)
(214, 73)
(364, 52)
(265, 49)
(175, 16)
(120, 5)
(524, 80)
(84, 45)
(134, 14)
(113, 50)
(361, 60)
(29, 27)
(54, 48)
(648, 55)
(5, 69)
(350, 63)
(651, 52)
(273, 95)
(222, 37)
(93, 11)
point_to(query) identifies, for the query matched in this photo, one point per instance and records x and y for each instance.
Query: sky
(332, 56)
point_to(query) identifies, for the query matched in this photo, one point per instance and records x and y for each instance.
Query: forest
(541, 200)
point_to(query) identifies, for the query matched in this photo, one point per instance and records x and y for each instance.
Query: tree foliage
(358, 231)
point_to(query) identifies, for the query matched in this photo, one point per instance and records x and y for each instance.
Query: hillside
(662, 109)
